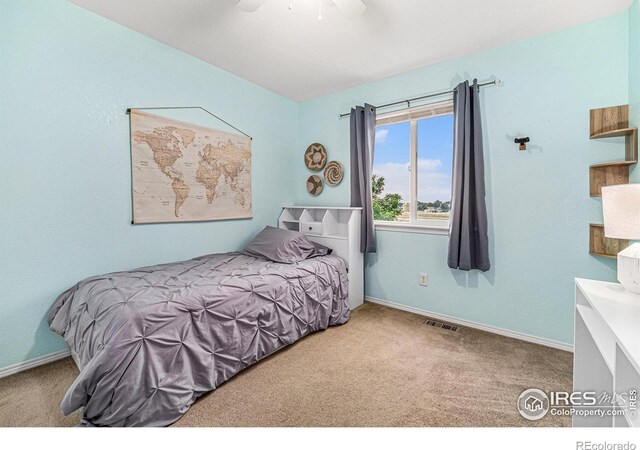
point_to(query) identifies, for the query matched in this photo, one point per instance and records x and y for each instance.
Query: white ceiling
(294, 54)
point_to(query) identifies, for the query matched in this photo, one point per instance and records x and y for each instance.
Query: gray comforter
(151, 340)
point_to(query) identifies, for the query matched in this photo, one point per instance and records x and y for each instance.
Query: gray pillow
(281, 246)
(320, 250)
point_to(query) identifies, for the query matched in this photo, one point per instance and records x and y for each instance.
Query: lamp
(621, 209)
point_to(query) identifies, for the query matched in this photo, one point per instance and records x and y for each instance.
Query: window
(411, 183)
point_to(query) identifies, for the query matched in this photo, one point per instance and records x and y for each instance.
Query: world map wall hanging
(183, 172)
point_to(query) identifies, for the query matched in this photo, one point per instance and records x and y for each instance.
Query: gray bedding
(151, 340)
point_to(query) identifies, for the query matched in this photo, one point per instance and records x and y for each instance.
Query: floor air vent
(444, 326)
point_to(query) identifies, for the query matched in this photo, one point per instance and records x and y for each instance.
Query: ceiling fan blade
(350, 8)
(249, 5)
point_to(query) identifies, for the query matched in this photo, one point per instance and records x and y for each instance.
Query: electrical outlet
(423, 279)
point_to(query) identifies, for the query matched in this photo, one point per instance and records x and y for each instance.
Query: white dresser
(607, 348)
(338, 229)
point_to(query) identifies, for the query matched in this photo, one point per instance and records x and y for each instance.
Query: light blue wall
(66, 78)
(634, 63)
(538, 200)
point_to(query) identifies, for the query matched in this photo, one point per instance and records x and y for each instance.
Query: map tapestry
(183, 172)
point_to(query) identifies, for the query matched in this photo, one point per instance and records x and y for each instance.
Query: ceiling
(296, 55)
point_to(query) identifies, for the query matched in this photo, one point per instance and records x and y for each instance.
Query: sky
(435, 149)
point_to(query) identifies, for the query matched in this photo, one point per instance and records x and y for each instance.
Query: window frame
(413, 115)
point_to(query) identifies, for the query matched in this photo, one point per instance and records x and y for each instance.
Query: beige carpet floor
(384, 368)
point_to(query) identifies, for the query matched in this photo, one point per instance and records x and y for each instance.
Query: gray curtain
(468, 237)
(363, 132)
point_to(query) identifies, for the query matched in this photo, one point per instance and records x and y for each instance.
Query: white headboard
(339, 229)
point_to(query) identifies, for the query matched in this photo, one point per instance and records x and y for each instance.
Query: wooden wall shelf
(631, 145)
(604, 120)
(603, 246)
(614, 133)
(607, 123)
(607, 174)
(614, 163)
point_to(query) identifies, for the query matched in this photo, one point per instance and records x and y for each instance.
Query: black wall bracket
(522, 141)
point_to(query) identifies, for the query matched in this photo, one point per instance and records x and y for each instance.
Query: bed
(150, 341)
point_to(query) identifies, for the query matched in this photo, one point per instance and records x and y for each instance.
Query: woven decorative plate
(333, 173)
(315, 157)
(314, 185)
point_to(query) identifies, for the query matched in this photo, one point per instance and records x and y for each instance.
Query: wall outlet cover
(423, 279)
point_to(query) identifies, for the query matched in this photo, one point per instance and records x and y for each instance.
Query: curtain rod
(495, 82)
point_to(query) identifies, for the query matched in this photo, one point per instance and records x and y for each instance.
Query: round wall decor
(314, 185)
(333, 173)
(315, 157)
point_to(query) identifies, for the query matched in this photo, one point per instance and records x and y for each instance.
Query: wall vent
(444, 326)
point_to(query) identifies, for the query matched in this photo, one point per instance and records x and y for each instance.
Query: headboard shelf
(331, 236)
(339, 229)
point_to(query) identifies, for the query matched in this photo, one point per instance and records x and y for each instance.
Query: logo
(533, 404)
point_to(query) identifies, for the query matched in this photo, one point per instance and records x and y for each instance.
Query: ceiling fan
(350, 8)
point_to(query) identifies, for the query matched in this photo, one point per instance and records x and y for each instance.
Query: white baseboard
(35, 362)
(479, 326)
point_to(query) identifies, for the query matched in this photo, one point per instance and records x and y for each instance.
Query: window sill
(441, 229)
